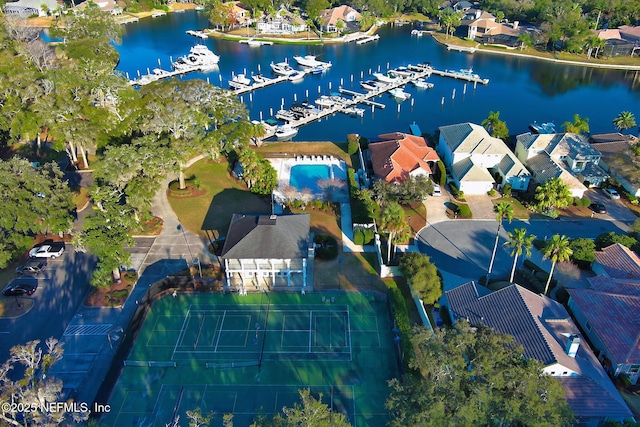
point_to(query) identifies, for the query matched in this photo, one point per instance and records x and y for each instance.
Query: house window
(564, 373)
(587, 325)
(633, 369)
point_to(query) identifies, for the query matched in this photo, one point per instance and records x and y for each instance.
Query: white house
(26, 8)
(567, 156)
(284, 23)
(477, 161)
(547, 333)
(268, 252)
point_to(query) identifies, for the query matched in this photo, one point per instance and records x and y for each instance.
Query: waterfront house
(567, 156)
(618, 159)
(330, 18)
(27, 8)
(609, 311)
(239, 15)
(283, 23)
(477, 161)
(105, 6)
(398, 155)
(547, 333)
(267, 252)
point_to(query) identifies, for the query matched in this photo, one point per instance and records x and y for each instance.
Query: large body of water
(523, 90)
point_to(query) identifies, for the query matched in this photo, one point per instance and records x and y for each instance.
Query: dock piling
(250, 96)
(341, 81)
(329, 85)
(258, 68)
(464, 89)
(306, 93)
(295, 97)
(260, 115)
(453, 95)
(319, 90)
(270, 112)
(442, 103)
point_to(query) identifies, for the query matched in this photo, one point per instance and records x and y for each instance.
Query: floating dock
(199, 34)
(368, 39)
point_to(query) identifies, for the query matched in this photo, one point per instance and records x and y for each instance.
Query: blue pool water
(309, 176)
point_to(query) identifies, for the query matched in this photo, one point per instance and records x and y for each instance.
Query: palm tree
(557, 250)
(580, 125)
(526, 40)
(520, 242)
(503, 210)
(624, 120)
(392, 221)
(257, 132)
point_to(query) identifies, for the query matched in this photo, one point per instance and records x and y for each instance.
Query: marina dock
(468, 76)
(357, 98)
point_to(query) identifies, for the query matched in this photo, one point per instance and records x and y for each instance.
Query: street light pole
(181, 228)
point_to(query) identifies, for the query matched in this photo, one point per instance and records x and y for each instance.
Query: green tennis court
(249, 355)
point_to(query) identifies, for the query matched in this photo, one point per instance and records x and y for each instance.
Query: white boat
(399, 93)
(199, 58)
(239, 81)
(353, 111)
(285, 115)
(402, 71)
(259, 78)
(310, 61)
(422, 84)
(386, 77)
(296, 75)
(286, 132)
(325, 101)
(282, 68)
(158, 14)
(369, 85)
(468, 72)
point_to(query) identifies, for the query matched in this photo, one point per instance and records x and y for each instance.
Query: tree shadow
(230, 201)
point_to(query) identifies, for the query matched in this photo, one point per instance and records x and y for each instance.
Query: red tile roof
(619, 262)
(398, 154)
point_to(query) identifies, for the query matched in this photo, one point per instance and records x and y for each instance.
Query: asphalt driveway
(463, 247)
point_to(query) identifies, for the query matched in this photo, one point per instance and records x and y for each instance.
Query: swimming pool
(309, 177)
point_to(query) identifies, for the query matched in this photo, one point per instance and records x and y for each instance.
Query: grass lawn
(519, 211)
(350, 271)
(223, 197)
(416, 215)
(289, 149)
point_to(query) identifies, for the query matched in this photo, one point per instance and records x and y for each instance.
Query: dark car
(33, 266)
(598, 208)
(21, 286)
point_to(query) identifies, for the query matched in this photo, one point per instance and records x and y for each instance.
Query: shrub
(353, 144)
(456, 192)
(401, 314)
(326, 246)
(491, 193)
(464, 211)
(506, 190)
(362, 236)
(584, 202)
(583, 252)
(442, 173)
(317, 204)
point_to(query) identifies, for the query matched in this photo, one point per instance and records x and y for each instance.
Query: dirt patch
(114, 296)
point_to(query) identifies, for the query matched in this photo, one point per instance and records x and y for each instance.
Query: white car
(436, 191)
(52, 251)
(612, 193)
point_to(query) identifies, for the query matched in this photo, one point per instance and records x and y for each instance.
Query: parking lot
(62, 286)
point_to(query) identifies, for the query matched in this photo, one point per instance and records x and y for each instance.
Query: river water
(523, 90)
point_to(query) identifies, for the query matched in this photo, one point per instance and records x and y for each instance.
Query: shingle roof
(399, 154)
(619, 262)
(544, 168)
(541, 326)
(585, 397)
(332, 16)
(467, 171)
(267, 237)
(614, 318)
(511, 166)
(612, 137)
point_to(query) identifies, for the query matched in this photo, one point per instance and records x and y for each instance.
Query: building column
(304, 272)
(288, 261)
(242, 272)
(273, 273)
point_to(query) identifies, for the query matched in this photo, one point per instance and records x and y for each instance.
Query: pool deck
(283, 168)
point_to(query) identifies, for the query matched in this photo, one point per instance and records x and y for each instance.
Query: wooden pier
(470, 77)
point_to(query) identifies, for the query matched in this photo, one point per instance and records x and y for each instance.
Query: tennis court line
(182, 331)
(310, 327)
(224, 314)
(349, 334)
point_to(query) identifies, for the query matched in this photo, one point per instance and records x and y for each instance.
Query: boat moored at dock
(399, 93)
(199, 58)
(310, 61)
(422, 84)
(285, 132)
(282, 68)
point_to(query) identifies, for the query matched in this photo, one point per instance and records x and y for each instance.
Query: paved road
(464, 247)
(61, 289)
